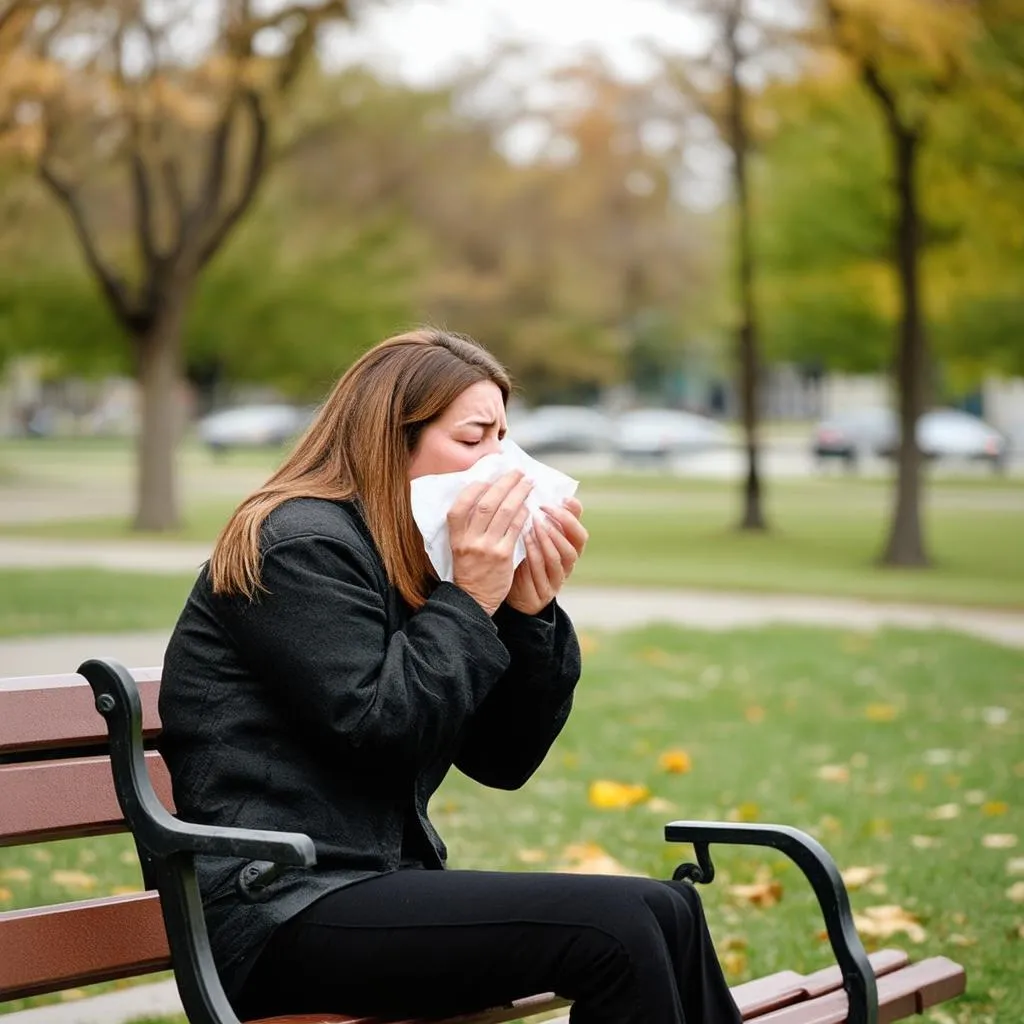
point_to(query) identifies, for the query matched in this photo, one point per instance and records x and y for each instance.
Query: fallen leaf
(531, 856)
(747, 811)
(1015, 866)
(858, 877)
(956, 939)
(43, 856)
(73, 879)
(16, 875)
(676, 762)
(834, 773)
(944, 812)
(878, 888)
(734, 942)
(1016, 892)
(757, 894)
(974, 796)
(5, 894)
(127, 857)
(994, 808)
(885, 921)
(995, 716)
(607, 795)
(754, 713)
(938, 756)
(918, 782)
(925, 842)
(659, 805)
(881, 712)
(734, 962)
(591, 859)
(999, 841)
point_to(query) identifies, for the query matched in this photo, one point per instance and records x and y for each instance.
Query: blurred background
(732, 240)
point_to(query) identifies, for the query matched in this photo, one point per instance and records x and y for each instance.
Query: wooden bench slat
(45, 800)
(46, 949)
(44, 712)
(903, 993)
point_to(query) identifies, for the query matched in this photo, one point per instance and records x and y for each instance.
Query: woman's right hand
(484, 524)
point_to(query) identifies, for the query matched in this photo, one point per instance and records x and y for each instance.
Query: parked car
(941, 434)
(253, 426)
(952, 434)
(854, 434)
(561, 428)
(662, 433)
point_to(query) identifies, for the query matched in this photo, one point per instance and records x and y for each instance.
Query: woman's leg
(445, 942)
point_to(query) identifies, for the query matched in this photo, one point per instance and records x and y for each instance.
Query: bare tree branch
(254, 174)
(112, 284)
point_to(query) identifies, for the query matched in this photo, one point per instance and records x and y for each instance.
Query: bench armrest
(821, 871)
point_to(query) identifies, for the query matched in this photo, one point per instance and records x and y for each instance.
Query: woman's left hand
(553, 547)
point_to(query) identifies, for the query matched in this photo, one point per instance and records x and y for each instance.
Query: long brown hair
(359, 445)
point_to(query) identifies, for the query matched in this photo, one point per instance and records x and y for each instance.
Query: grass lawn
(34, 602)
(903, 752)
(652, 530)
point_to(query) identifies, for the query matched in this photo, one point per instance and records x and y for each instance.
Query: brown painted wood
(47, 949)
(44, 800)
(903, 993)
(48, 712)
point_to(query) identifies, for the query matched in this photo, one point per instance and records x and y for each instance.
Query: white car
(561, 428)
(662, 433)
(955, 435)
(253, 426)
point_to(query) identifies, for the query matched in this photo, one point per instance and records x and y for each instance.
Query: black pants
(426, 943)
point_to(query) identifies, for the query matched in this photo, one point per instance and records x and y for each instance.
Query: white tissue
(433, 496)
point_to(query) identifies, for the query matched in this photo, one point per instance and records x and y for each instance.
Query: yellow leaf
(73, 879)
(944, 812)
(885, 921)
(531, 856)
(733, 942)
(924, 842)
(918, 782)
(16, 875)
(591, 859)
(1016, 892)
(834, 773)
(999, 840)
(754, 713)
(659, 805)
(858, 877)
(881, 712)
(994, 808)
(607, 795)
(734, 962)
(676, 762)
(1015, 866)
(747, 811)
(5, 894)
(757, 894)
(956, 939)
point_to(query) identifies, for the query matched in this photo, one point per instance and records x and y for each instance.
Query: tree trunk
(159, 377)
(747, 360)
(906, 541)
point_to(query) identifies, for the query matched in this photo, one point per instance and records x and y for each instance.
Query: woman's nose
(491, 446)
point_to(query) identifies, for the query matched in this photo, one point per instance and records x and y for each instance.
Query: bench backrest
(56, 783)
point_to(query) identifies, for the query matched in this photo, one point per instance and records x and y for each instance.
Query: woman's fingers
(571, 528)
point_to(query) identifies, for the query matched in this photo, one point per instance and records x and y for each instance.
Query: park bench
(65, 772)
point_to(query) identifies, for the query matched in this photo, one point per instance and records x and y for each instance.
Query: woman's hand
(484, 524)
(553, 547)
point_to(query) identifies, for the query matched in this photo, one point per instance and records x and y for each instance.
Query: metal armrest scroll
(821, 871)
(167, 847)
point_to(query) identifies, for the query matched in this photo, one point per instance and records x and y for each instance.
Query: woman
(322, 680)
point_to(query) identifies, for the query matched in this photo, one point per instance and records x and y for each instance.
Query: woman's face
(470, 428)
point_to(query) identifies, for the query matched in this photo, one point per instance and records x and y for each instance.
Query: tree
(743, 47)
(125, 127)
(909, 56)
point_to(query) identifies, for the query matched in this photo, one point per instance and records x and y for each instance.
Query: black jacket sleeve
(320, 632)
(513, 730)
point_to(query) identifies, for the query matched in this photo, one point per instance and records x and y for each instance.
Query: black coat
(328, 706)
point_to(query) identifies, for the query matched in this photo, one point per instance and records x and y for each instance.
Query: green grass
(856, 738)
(825, 538)
(35, 602)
